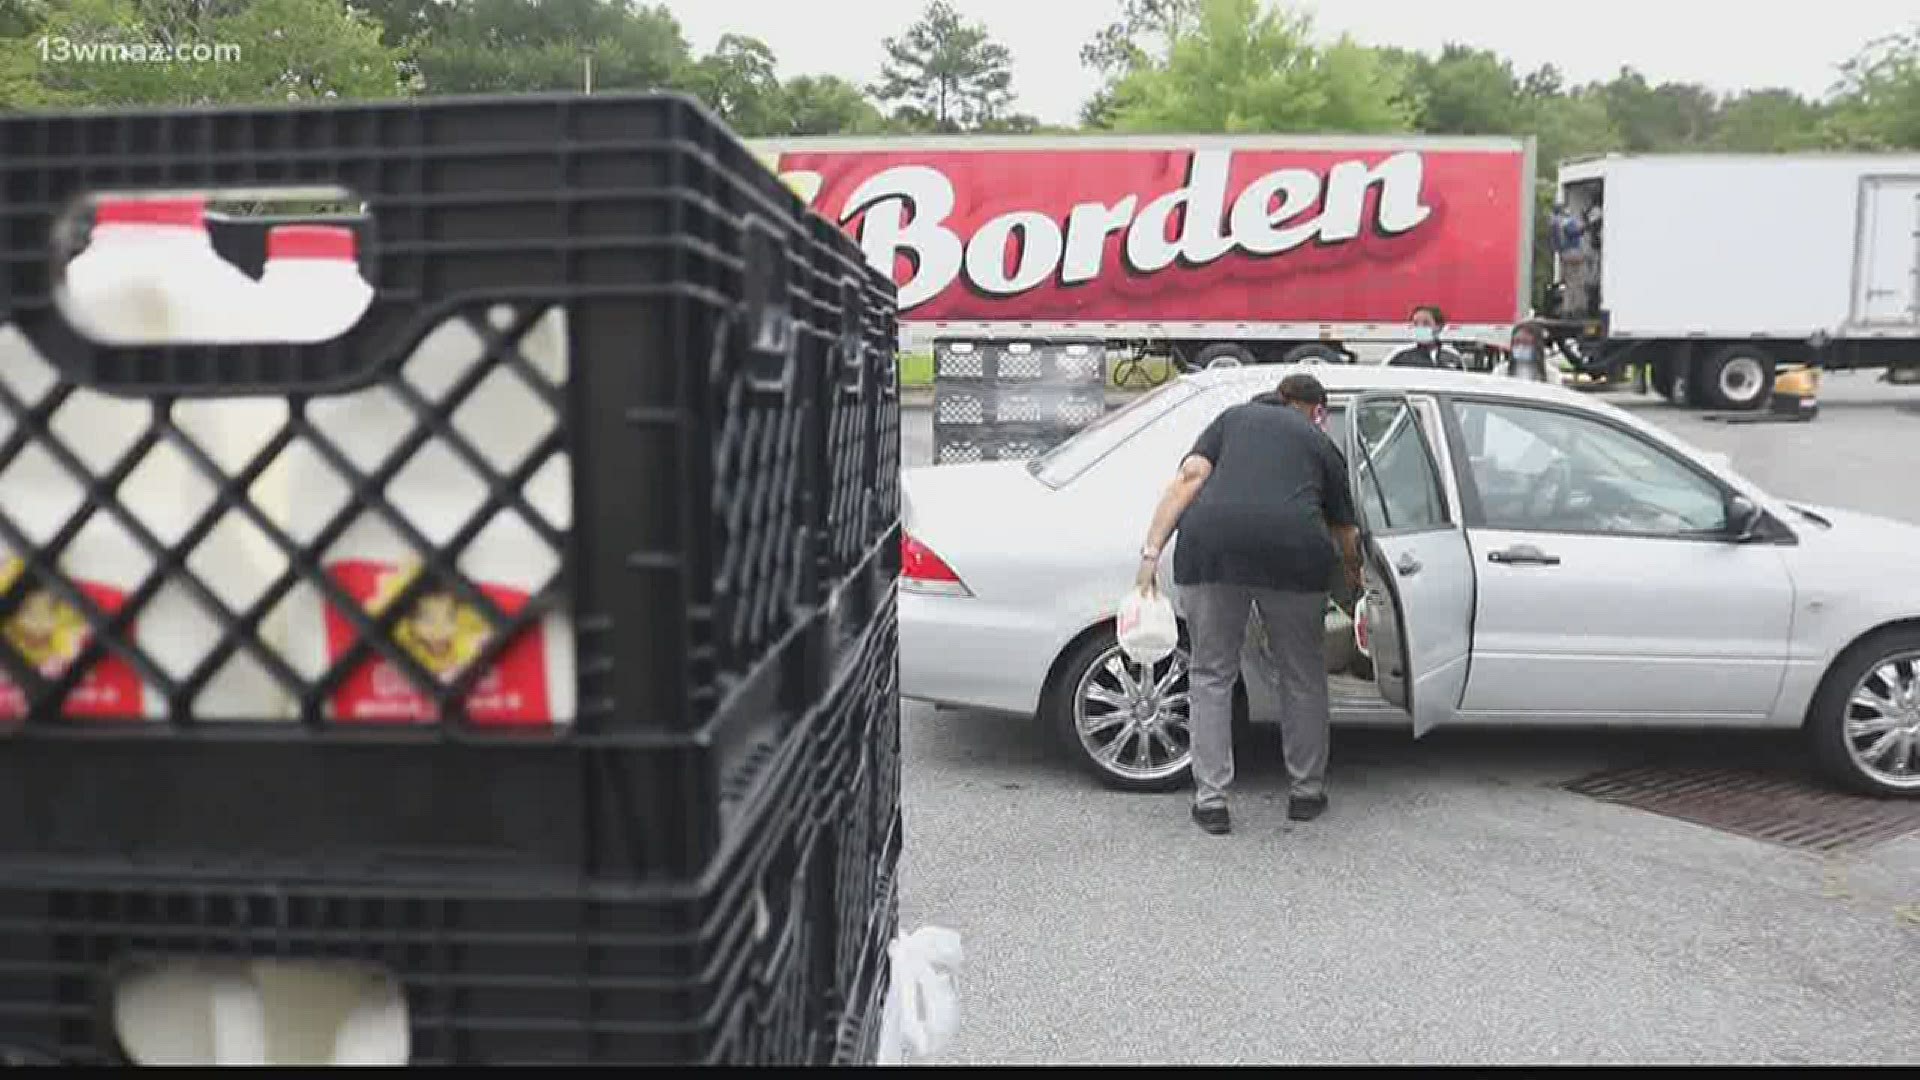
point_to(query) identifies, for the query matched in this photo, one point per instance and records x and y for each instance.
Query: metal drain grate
(1779, 808)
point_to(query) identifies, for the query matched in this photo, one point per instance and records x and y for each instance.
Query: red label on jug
(444, 635)
(49, 633)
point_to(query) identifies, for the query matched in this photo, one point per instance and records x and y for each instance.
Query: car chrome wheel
(1132, 721)
(1883, 722)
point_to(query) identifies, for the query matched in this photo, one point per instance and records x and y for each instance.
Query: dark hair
(1302, 388)
(1439, 317)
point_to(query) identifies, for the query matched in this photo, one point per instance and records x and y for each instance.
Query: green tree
(496, 46)
(286, 49)
(1240, 67)
(1670, 116)
(1144, 31)
(1877, 102)
(402, 21)
(946, 74)
(1467, 91)
(1769, 121)
(828, 105)
(22, 19)
(738, 80)
(302, 49)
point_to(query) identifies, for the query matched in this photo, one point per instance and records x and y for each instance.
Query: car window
(1399, 484)
(1551, 470)
(1066, 461)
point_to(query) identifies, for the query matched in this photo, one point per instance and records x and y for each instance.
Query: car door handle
(1408, 565)
(1523, 555)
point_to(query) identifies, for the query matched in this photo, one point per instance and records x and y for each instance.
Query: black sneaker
(1213, 818)
(1306, 807)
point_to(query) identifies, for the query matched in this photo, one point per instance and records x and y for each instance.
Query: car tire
(1737, 378)
(1864, 665)
(1062, 714)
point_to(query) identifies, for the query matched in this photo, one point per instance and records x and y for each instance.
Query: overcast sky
(1726, 44)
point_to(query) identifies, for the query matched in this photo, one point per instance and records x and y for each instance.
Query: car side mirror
(1743, 518)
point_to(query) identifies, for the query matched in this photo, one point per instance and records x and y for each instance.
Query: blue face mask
(1424, 334)
(1523, 354)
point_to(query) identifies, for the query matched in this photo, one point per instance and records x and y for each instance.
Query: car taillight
(924, 572)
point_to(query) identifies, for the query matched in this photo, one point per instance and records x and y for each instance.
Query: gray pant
(1296, 657)
(1576, 272)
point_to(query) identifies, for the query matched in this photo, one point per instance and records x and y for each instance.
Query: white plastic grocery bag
(1146, 626)
(923, 1007)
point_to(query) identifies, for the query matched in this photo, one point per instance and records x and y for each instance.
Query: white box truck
(1714, 270)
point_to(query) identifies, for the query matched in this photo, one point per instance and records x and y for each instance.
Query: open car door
(1419, 585)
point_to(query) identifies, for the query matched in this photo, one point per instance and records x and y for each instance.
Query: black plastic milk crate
(681, 550)
(1059, 362)
(857, 438)
(860, 792)
(723, 970)
(995, 442)
(857, 1007)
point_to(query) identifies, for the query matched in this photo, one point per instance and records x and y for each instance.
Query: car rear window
(1059, 466)
(1067, 461)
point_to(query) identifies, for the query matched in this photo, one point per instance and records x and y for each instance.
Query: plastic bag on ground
(1146, 626)
(923, 1006)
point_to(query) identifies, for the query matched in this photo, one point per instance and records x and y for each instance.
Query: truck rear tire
(1313, 352)
(1738, 377)
(1221, 354)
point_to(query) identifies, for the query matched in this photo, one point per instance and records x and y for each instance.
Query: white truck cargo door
(1887, 282)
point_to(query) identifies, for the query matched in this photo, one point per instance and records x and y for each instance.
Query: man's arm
(1174, 501)
(1349, 539)
(1337, 504)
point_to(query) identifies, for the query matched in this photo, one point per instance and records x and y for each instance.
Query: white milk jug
(312, 285)
(150, 275)
(533, 682)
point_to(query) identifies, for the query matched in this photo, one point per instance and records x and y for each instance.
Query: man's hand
(1146, 579)
(1356, 578)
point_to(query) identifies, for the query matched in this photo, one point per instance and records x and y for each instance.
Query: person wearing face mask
(1266, 522)
(1527, 356)
(1427, 351)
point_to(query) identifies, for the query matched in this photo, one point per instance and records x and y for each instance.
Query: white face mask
(1424, 334)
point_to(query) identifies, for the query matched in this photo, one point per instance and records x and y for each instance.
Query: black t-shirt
(1261, 518)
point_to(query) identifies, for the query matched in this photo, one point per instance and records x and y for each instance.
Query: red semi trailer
(1238, 248)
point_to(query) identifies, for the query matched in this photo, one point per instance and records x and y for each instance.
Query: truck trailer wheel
(1313, 352)
(1737, 377)
(1221, 354)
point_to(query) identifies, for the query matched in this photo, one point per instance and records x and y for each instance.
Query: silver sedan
(1534, 557)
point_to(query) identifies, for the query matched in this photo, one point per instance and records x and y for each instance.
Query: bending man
(1258, 502)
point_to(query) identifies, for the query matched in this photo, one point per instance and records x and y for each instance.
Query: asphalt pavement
(1454, 905)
